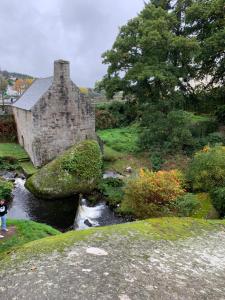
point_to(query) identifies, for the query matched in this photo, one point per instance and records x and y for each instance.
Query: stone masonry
(60, 118)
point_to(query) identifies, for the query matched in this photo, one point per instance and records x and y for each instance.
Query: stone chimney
(61, 70)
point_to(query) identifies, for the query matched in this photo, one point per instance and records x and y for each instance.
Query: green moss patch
(156, 229)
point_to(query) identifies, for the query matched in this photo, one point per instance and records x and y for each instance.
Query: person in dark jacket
(3, 213)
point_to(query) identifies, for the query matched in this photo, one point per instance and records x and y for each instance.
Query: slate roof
(31, 96)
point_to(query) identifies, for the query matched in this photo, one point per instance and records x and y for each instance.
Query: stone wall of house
(24, 120)
(61, 118)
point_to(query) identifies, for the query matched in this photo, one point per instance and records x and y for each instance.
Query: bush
(207, 169)
(9, 164)
(186, 204)
(215, 138)
(116, 114)
(104, 119)
(220, 114)
(112, 189)
(202, 128)
(169, 132)
(8, 132)
(156, 161)
(5, 189)
(146, 194)
(218, 200)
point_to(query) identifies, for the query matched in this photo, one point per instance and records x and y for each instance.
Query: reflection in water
(57, 213)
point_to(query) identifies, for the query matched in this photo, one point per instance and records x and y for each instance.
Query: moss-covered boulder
(77, 170)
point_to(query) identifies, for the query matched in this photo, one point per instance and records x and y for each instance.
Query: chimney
(61, 70)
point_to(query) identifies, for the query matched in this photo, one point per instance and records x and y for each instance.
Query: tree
(206, 21)
(21, 85)
(152, 59)
(3, 88)
(27, 82)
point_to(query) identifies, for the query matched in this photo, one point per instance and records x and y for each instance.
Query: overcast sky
(33, 33)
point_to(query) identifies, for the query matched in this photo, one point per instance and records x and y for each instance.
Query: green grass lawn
(199, 118)
(13, 150)
(121, 151)
(26, 231)
(121, 139)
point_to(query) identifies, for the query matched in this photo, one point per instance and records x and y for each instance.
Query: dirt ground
(7, 234)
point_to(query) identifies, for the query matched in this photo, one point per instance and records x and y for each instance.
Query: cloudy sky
(35, 33)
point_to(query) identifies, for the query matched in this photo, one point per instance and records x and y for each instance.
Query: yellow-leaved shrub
(146, 194)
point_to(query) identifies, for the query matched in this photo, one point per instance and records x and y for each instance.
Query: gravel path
(123, 268)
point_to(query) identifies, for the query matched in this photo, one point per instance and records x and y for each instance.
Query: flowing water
(98, 215)
(61, 214)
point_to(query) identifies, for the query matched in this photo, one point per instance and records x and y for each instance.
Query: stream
(63, 214)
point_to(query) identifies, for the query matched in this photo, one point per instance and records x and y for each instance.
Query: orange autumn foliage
(151, 190)
(21, 85)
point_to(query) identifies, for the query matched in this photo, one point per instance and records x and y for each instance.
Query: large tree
(206, 21)
(152, 59)
(157, 57)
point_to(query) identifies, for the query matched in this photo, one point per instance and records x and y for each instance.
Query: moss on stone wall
(170, 229)
(77, 170)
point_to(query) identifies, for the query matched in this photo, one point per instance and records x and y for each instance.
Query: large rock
(77, 170)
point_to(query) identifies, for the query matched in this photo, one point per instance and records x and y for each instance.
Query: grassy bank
(25, 231)
(121, 139)
(13, 150)
(121, 150)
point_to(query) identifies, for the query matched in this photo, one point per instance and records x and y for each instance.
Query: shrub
(213, 139)
(169, 132)
(150, 190)
(220, 114)
(8, 132)
(112, 189)
(207, 169)
(104, 119)
(5, 189)
(201, 128)
(116, 114)
(186, 204)
(9, 164)
(218, 200)
(156, 161)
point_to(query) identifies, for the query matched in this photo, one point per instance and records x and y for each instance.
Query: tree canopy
(162, 55)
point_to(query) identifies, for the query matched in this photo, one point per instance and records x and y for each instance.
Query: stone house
(52, 114)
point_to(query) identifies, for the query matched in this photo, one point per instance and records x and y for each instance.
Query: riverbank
(22, 232)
